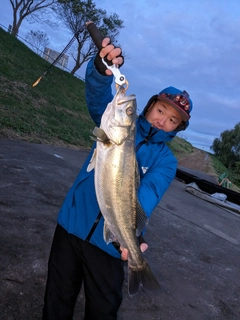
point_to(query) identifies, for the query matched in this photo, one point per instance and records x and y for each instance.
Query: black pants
(72, 261)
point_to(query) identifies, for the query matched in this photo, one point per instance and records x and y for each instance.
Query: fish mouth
(125, 99)
(121, 96)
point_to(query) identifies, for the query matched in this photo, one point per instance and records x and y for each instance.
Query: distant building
(51, 55)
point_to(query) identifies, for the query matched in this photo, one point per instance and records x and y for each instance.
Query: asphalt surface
(194, 246)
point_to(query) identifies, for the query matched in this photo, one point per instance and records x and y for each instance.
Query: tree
(227, 147)
(38, 40)
(27, 9)
(74, 14)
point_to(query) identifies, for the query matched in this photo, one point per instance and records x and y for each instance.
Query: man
(79, 252)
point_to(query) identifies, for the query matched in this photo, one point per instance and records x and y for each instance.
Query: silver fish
(116, 183)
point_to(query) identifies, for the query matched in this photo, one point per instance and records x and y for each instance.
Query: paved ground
(194, 246)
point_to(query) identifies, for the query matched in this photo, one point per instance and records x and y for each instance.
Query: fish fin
(141, 219)
(93, 138)
(100, 135)
(92, 161)
(144, 277)
(107, 234)
(133, 282)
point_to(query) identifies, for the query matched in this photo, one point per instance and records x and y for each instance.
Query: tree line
(73, 14)
(227, 148)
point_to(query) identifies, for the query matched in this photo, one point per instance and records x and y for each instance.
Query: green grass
(220, 169)
(53, 112)
(180, 146)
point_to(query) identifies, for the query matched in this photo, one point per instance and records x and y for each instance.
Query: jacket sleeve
(98, 91)
(155, 182)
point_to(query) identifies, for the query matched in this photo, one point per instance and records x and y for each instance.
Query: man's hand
(111, 53)
(124, 254)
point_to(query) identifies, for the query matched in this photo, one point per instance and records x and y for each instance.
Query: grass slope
(53, 112)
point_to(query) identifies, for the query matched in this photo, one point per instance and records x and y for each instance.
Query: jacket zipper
(150, 135)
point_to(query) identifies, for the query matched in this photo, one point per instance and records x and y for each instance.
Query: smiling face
(163, 116)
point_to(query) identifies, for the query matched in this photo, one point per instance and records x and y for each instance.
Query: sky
(189, 44)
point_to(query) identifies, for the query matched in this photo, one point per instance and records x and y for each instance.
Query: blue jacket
(157, 167)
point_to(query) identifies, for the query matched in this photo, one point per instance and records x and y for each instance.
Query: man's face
(163, 116)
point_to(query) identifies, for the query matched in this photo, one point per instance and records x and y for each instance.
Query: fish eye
(129, 111)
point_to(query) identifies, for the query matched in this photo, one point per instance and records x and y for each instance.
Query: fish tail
(143, 277)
